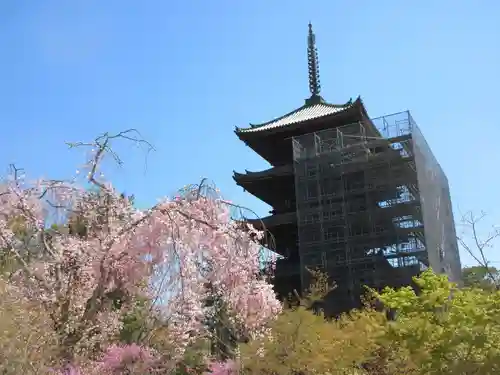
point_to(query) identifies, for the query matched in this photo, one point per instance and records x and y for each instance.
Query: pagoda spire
(313, 66)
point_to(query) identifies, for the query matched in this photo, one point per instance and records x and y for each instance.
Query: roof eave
(244, 134)
(309, 103)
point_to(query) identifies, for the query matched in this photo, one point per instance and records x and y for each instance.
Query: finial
(313, 63)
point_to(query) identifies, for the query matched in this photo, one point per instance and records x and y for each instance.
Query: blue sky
(185, 73)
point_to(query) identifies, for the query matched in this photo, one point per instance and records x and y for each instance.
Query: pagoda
(346, 193)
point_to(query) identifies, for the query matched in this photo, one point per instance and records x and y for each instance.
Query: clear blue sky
(185, 73)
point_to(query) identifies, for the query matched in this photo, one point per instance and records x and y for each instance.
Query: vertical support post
(340, 139)
(296, 149)
(362, 132)
(317, 144)
(387, 132)
(318, 165)
(371, 224)
(410, 122)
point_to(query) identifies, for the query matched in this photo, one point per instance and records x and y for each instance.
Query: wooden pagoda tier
(265, 184)
(271, 140)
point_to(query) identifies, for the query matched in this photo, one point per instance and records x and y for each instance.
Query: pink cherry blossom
(168, 252)
(119, 358)
(222, 368)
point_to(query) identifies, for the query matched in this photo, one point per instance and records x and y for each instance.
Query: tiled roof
(283, 170)
(273, 220)
(302, 114)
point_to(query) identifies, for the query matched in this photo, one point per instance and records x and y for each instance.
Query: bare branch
(102, 146)
(479, 245)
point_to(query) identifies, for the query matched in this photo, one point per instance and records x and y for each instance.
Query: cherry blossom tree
(168, 253)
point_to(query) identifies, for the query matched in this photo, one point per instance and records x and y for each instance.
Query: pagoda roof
(274, 220)
(313, 109)
(283, 170)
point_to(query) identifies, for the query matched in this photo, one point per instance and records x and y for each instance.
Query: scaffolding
(440, 233)
(367, 195)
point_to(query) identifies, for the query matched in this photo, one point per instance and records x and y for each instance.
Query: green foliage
(319, 287)
(481, 277)
(443, 329)
(135, 322)
(8, 261)
(301, 341)
(439, 330)
(27, 344)
(223, 338)
(194, 360)
(304, 342)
